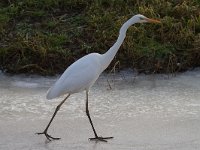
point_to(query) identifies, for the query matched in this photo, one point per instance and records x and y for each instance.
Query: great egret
(83, 73)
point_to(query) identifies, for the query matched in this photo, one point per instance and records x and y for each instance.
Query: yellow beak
(152, 20)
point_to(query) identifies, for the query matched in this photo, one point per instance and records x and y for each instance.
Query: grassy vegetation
(45, 36)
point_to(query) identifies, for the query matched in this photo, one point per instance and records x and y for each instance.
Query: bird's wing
(79, 76)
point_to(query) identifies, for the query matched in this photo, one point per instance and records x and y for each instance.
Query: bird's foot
(102, 139)
(49, 137)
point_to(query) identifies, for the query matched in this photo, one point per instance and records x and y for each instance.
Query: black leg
(49, 137)
(97, 138)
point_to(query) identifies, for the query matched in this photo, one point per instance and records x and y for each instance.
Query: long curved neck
(110, 54)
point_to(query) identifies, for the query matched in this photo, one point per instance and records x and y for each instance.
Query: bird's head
(142, 19)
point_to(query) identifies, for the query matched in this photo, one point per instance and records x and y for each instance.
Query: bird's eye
(141, 18)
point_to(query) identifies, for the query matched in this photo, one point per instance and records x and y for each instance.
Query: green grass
(46, 36)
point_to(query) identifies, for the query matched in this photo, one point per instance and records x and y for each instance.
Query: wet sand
(148, 113)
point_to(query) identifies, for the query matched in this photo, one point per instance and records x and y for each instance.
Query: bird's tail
(52, 93)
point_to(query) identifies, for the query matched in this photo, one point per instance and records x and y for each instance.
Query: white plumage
(83, 73)
(80, 76)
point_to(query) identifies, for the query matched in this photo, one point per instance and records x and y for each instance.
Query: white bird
(83, 73)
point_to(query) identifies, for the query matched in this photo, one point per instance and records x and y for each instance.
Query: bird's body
(83, 73)
(78, 76)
